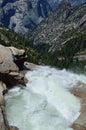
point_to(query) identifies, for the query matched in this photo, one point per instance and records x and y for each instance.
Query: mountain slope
(67, 20)
(23, 15)
(64, 32)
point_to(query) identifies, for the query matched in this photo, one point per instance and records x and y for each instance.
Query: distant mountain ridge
(22, 15)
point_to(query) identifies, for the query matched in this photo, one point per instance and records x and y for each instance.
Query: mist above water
(46, 103)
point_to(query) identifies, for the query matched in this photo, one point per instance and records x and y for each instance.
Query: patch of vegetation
(64, 57)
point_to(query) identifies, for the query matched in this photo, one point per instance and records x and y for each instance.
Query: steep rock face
(77, 2)
(22, 15)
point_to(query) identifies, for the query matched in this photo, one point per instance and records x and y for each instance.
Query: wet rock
(2, 124)
(3, 120)
(1, 99)
(3, 87)
(12, 80)
(13, 128)
(30, 66)
(80, 123)
(80, 92)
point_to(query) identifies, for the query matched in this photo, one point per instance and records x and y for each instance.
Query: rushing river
(46, 103)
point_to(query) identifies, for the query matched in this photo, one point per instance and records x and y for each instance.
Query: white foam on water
(46, 103)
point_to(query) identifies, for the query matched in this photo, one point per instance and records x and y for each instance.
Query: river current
(46, 103)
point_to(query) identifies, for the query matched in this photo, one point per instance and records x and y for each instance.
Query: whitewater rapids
(46, 103)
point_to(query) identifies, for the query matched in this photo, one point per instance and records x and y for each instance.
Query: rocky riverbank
(11, 62)
(11, 66)
(80, 92)
(9, 75)
(3, 120)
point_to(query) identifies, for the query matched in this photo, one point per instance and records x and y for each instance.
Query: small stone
(30, 66)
